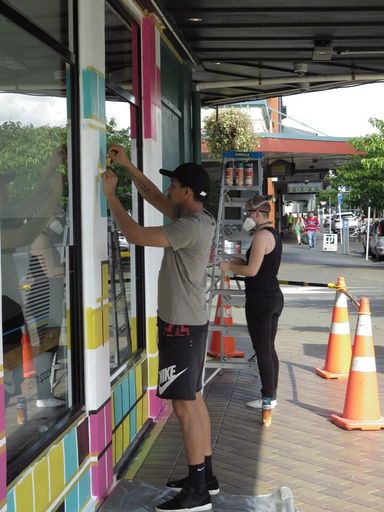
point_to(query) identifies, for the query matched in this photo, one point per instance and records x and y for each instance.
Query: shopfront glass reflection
(34, 231)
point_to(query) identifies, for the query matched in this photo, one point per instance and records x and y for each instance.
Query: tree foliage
(122, 137)
(27, 150)
(230, 130)
(362, 176)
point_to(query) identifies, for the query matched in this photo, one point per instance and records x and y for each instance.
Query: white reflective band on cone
(341, 301)
(363, 364)
(364, 326)
(340, 328)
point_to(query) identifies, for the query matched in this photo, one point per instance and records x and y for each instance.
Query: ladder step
(228, 329)
(238, 237)
(235, 204)
(224, 291)
(228, 363)
(254, 188)
(232, 222)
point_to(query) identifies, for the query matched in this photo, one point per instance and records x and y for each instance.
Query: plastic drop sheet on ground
(137, 496)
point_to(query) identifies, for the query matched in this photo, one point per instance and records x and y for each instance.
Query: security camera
(304, 86)
(300, 68)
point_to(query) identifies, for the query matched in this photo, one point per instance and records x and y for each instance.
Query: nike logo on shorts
(165, 385)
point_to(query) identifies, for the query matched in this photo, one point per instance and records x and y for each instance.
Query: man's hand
(109, 182)
(118, 155)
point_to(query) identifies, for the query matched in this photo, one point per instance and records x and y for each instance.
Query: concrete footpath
(325, 467)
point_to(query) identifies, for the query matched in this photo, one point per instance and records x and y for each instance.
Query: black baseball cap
(191, 175)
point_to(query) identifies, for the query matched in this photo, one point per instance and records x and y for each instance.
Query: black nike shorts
(181, 360)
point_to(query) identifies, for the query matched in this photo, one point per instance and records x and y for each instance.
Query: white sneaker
(258, 404)
(50, 402)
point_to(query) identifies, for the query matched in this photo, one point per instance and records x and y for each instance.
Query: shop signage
(305, 188)
(330, 242)
(281, 168)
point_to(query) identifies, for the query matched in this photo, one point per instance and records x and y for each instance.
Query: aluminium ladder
(230, 241)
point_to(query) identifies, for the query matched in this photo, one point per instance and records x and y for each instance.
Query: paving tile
(327, 468)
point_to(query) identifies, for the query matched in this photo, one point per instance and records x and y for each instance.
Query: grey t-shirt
(183, 273)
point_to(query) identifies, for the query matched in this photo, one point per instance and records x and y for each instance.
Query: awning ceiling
(267, 48)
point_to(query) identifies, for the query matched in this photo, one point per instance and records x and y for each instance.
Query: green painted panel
(176, 91)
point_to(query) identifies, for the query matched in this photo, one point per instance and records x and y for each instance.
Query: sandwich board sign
(330, 242)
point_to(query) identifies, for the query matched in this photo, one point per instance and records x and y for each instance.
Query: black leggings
(262, 312)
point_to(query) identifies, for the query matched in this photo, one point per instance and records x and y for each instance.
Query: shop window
(123, 334)
(50, 15)
(122, 113)
(35, 231)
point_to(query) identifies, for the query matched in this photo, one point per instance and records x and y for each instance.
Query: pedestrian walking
(299, 227)
(182, 310)
(264, 299)
(312, 226)
(290, 221)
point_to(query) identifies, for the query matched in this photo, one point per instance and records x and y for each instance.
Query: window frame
(16, 466)
(135, 102)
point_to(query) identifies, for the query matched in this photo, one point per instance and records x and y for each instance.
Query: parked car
(123, 243)
(326, 219)
(353, 221)
(376, 240)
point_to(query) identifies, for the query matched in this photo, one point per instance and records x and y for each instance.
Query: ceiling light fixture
(360, 52)
(322, 51)
(304, 86)
(300, 68)
(195, 20)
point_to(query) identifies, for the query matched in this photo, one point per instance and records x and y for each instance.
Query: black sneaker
(212, 486)
(188, 500)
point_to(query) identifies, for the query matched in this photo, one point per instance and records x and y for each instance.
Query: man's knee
(184, 409)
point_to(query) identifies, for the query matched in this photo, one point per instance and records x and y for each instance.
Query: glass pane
(50, 15)
(121, 254)
(121, 53)
(34, 231)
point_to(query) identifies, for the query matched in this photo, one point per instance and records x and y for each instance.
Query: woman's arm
(43, 249)
(261, 243)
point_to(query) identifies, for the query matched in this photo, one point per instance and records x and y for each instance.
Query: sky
(339, 112)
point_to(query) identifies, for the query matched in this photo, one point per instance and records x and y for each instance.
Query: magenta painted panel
(108, 422)
(99, 478)
(3, 475)
(135, 63)
(150, 86)
(2, 409)
(97, 427)
(109, 467)
(155, 404)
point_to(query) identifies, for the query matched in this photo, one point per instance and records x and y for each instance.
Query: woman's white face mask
(249, 224)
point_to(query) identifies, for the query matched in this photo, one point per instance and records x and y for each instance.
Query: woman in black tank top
(264, 299)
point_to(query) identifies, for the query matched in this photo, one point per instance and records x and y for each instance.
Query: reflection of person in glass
(44, 303)
(22, 224)
(264, 299)
(22, 221)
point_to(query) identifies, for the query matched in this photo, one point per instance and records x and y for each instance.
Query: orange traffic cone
(228, 345)
(29, 369)
(361, 407)
(339, 350)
